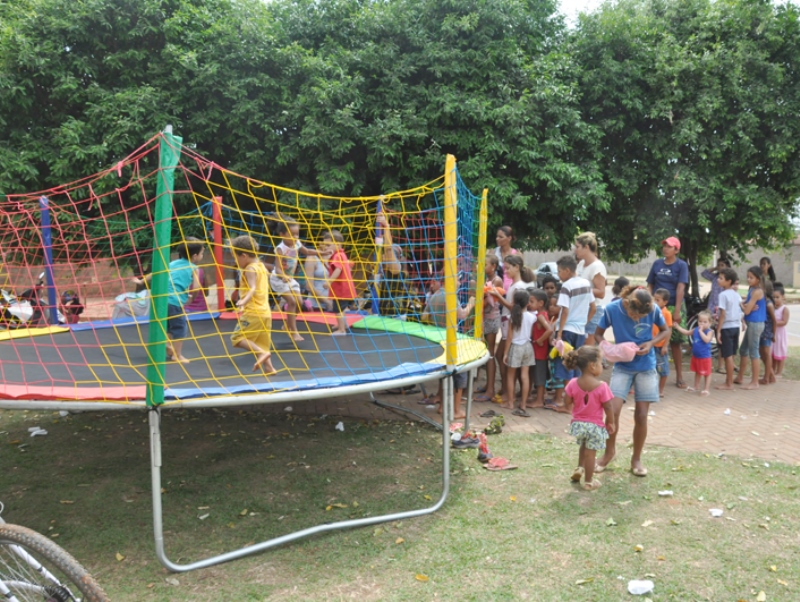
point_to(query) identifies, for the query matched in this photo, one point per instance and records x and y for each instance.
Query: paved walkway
(761, 424)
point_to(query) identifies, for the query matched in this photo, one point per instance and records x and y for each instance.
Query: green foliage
(696, 102)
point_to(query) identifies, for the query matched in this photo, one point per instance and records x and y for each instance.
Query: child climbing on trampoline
(282, 281)
(254, 330)
(182, 284)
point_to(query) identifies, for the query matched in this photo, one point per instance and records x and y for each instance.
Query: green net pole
(169, 153)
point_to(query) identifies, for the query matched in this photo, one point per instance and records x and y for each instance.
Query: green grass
(516, 535)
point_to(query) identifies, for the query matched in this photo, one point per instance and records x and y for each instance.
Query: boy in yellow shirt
(254, 330)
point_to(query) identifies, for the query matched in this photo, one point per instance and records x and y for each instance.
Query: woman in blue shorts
(632, 318)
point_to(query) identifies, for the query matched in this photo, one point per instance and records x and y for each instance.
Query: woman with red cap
(672, 273)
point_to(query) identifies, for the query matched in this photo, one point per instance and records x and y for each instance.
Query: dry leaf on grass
(584, 581)
(647, 523)
(611, 523)
(761, 597)
(420, 577)
(399, 540)
(120, 557)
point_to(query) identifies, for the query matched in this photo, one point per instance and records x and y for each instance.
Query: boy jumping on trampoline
(254, 330)
(183, 284)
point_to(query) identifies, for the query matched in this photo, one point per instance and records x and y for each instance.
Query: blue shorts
(559, 371)
(645, 384)
(662, 362)
(460, 381)
(752, 336)
(177, 324)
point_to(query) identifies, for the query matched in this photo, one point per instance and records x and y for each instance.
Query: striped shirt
(576, 295)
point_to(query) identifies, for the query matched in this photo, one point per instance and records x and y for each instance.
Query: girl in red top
(340, 278)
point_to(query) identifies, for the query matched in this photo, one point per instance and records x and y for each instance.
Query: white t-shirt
(523, 335)
(590, 271)
(730, 301)
(519, 285)
(576, 295)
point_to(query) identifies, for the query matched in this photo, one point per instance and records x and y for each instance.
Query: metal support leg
(158, 525)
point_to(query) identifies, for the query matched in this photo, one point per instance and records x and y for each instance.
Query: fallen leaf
(611, 523)
(584, 581)
(773, 568)
(243, 512)
(761, 597)
(782, 582)
(647, 523)
(638, 548)
(66, 502)
(513, 498)
(120, 557)
(399, 540)
(420, 577)
(172, 581)
(427, 497)
(661, 558)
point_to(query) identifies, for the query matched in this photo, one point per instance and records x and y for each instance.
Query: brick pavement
(761, 424)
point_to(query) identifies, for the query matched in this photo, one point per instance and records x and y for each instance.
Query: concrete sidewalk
(764, 423)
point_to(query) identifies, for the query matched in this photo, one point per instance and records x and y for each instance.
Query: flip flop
(498, 399)
(490, 414)
(485, 398)
(681, 385)
(429, 401)
(480, 390)
(639, 472)
(522, 413)
(495, 464)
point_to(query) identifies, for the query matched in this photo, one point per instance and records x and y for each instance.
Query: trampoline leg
(158, 523)
(468, 402)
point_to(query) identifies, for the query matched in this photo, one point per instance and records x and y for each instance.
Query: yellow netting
(101, 237)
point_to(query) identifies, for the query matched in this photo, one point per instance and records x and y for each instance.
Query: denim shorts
(177, 324)
(592, 325)
(662, 362)
(560, 372)
(752, 336)
(645, 384)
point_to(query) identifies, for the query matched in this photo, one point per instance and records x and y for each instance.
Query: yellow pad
(30, 332)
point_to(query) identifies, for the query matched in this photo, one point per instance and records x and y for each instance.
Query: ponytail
(521, 299)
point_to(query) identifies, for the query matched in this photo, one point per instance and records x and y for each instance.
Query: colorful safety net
(98, 278)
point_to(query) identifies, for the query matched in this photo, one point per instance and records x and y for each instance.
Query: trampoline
(132, 218)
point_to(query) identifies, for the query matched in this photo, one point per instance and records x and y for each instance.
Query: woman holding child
(632, 318)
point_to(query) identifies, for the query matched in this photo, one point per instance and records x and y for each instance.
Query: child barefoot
(701, 351)
(519, 352)
(780, 346)
(254, 330)
(590, 399)
(540, 336)
(342, 287)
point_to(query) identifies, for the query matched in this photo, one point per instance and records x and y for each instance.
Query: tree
(697, 103)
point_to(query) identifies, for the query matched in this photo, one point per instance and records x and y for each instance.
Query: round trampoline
(92, 236)
(68, 363)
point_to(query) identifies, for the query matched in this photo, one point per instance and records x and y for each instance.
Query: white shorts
(279, 286)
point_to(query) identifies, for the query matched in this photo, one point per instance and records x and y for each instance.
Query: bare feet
(507, 406)
(263, 362)
(724, 388)
(750, 387)
(460, 417)
(705, 392)
(600, 466)
(536, 404)
(296, 336)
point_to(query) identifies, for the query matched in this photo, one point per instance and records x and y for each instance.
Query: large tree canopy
(697, 102)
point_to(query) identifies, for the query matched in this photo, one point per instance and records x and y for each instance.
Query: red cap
(672, 241)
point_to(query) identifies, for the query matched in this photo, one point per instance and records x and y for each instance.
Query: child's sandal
(592, 485)
(577, 474)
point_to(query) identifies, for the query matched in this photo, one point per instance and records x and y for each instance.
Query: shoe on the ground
(467, 443)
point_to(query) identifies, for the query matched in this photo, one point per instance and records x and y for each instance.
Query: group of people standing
(646, 321)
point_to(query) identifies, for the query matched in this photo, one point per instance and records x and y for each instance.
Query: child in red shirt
(540, 339)
(340, 278)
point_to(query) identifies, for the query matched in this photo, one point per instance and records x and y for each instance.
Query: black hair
(549, 278)
(190, 246)
(538, 294)
(770, 270)
(619, 284)
(521, 299)
(777, 287)
(729, 274)
(755, 270)
(662, 293)
(567, 262)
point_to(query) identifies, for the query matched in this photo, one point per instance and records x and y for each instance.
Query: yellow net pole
(451, 260)
(484, 216)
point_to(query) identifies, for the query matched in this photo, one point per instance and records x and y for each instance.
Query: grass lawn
(234, 477)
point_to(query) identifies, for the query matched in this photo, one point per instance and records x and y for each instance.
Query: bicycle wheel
(32, 567)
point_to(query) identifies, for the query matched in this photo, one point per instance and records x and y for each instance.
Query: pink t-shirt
(588, 407)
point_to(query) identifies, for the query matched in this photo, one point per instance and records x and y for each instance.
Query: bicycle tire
(26, 583)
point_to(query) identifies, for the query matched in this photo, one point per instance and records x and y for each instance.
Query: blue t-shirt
(180, 279)
(700, 349)
(639, 332)
(759, 312)
(669, 276)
